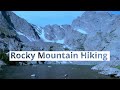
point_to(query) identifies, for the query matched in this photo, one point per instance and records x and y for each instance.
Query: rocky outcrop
(103, 34)
(102, 31)
(110, 72)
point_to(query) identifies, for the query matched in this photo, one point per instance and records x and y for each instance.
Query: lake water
(45, 71)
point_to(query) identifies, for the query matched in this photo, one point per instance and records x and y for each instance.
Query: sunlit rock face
(54, 32)
(64, 35)
(103, 31)
(73, 38)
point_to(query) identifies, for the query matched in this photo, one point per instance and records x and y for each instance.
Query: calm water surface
(50, 72)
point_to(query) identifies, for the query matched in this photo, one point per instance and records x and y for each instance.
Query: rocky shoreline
(108, 68)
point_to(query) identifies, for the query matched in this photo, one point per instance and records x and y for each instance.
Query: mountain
(103, 31)
(97, 31)
(18, 35)
(103, 34)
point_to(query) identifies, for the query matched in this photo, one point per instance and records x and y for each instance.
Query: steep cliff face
(16, 33)
(25, 36)
(65, 35)
(22, 27)
(7, 33)
(103, 31)
(103, 34)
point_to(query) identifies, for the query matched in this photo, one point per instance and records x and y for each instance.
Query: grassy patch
(118, 67)
(66, 49)
(5, 59)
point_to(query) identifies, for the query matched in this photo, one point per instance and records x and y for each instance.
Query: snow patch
(20, 33)
(60, 41)
(43, 37)
(82, 31)
(41, 34)
(66, 46)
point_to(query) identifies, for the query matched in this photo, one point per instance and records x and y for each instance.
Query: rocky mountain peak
(91, 31)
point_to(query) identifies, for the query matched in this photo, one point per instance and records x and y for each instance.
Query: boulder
(106, 65)
(118, 75)
(110, 71)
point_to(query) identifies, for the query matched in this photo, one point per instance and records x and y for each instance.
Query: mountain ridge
(92, 31)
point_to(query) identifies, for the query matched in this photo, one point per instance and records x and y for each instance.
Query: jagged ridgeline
(91, 31)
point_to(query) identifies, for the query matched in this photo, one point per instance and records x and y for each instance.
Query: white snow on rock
(81, 31)
(41, 33)
(33, 75)
(60, 41)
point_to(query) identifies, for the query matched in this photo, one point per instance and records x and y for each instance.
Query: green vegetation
(5, 58)
(66, 49)
(118, 67)
(51, 48)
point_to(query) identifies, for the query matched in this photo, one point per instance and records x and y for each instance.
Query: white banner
(59, 56)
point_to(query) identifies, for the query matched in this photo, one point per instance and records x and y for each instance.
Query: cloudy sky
(42, 18)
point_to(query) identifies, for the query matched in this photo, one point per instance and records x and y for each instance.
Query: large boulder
(111, 72)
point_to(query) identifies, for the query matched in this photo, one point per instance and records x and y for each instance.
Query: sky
(42, 18)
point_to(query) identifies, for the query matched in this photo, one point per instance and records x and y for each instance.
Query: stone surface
(104, 65)
(103, 32)
(118, 75)
(110, 71)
